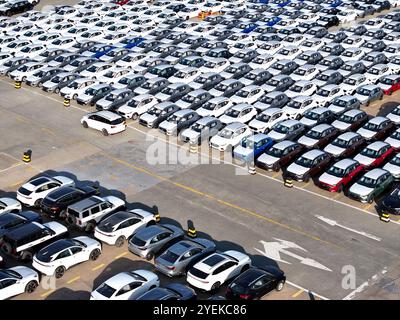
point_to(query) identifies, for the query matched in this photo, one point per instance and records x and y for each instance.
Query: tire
(31, 286)
(26, 256)
(59, 272)
(370, 200)
(62, 215)
(23, 79)
(280, 285)
(71, 220)
(95, 254)
(40, 85)
(215, 286)
(57, 90)
(37, 203)
(149, 256)
(340, 188)
(6, 247)
(90, 227)
(74, 96)
(105, 132)
(134, 116)
(381, 97)
(120, 242)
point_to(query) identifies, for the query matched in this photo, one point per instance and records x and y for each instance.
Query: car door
(9, 288)
(79, 254)
(44, 190)
(65, 258)
(131, 289)
(263, 286)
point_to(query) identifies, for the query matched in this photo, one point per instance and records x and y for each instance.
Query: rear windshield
(197, 273)
(117, 121)
(73, 212)
(170, 256)
(138, 242)
(106, 290)
(24, 191)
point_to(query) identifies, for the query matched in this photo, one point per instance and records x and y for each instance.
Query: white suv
(86, 213)
(105, 121)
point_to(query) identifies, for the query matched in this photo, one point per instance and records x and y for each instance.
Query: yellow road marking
(338, 194)
(48, 131)
(228, 204)
(121, 255)
(73, 279)
(297, 293)
(17, 184)
(98, 267)
(306, 185)
(47, 293)
(368, 206)
(276, 174)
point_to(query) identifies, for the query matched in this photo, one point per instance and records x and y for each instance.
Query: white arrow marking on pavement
(334, 223)
(273, 250)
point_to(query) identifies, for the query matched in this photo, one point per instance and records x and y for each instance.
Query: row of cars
(247, 59)
(25, 237)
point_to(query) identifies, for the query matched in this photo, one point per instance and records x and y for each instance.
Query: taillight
(54, 209)
(171, 267)
(244, 296)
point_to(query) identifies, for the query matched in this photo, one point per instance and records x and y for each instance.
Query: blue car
(172, 291)
(131, 42)
(282, 4)
(251, 147)
(248, 27)
(336, 3)
(102, 50)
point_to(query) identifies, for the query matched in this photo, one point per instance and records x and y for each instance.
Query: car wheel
(95, 254)
(31, 286)
(149, 256)
(40, 85)
(57, 90)
(6, 247)
(215, 286)
(381, 97)
(340, 188)
(74, 96)
(120, 241)
(59, 272)
(90, 226)
(37, 203)
(23, 79)
(134, 116)
(280, 285)
(105, 132)
(370, 199)
(62, 215)
(71, 220)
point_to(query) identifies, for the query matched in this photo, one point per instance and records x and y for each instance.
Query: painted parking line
(306, 185)
(366, 208)
(17, 184)
(228, 204)
(73, 279)
(121, 255)
(337, 195)
(47, 293)
(276, 174)
(11, 167)
(297, 293)
(98, 267)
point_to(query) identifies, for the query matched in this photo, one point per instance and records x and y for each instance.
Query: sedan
(180, 257)
(340, 175)
(63, 254)
(17, 280)
(256, 283)
(308, 165)
(126, 286)
(371, 185)
(171, 292)
(150, 240)
(318, 136)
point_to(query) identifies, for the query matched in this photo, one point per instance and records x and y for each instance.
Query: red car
(121, 2)
(340, 175)
(374, 154)
(389, 84)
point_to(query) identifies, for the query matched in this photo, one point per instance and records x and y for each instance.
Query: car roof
(312, 154)
(375, 173)
(344, 163)
(346, 97)
(377, 145)
(241, 106)
(257, 137)
(86, 203)
(206, 120)
(348, 135)
(235, 125)
(183, 112)
(321, 127)
(108, 115)
(284, 144)
(151, 231)
(319, 110)
(24, 230)
(378, 120)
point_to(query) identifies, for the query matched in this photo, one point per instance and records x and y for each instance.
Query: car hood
(329, 179)
(257, 124)
(220, 141)
(308, 122)
(168, 125)
(360, 190)
(297, 170)
(24, 271)
(309, 142)
(267, 159)
(366, 133)
(334, 150)
(243, 153)
(341, 125)
(182, 104)
(362, 98)
(190, 134)
(149, 118)
(393, 169)
(393, 142)
(276, 135)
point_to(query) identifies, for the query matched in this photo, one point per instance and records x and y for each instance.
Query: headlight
(364, 197)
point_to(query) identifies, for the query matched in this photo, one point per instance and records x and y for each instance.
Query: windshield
(396, 111)
(155, 111)
(198, 127)
(243, 93)
(232, 113)
(280, 128)
(175, 119)
(367, 182)
(106, 290)
(91, 92)
(395, 160)
(340, 143)
(370, 153)
(337, 172)
(225, 133)
(363, 91)
(311, 115)
(350, 81)
(75, 85)
(111, 97)
(313, 134)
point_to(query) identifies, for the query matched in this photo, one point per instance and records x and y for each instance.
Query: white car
(264, 121)
(62, 43)
(346, 16)
(301, 88)
(105, 121)
(393, 166)
(241, 112)
(394, 115)
(76, 88)
(263, 61)
(352, 82)
(137, 106)
(32, 192)
(30, 51)
(113, 75)
(353, 41)
(126, 286)
(213, 271)
(14, 46)
(215, 107)
(230, 136)
(214, 65)
(17, 280)
(298, 106)
(131, 60)
(96, 70)
(185, 75)
(311, 44)
(249, 94)
(394, 64)
(121, 225)
(352, 53)
(61, 255)
(377, 71)
(9, 205)
(326, 94)
(26, 70)
(288, 52)
(305, 72)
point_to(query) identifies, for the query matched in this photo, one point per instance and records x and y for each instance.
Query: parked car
(374, 154)
(350, 120)
(157, 114)
(105, 121)
(171, 292)
(318, 136)
(286, 130)
(202, 130)
(9, 221)
(376, 128)
(230, 136)
(17, 280)
(390, 203)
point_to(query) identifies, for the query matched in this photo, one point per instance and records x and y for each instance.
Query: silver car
(181, 256)
(150, 240)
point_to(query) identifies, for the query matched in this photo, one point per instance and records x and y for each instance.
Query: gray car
(151, 240)
(42, 75)
(12, 64)
(368, 93)
(178, 121)
(59, 81)
(206, 81)
(181, 256)
(114, 99)
(201, 130)
(94, 94)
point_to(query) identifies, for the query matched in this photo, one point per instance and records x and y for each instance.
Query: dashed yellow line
(121, 255)
(306, 185)
(98, 267)
(73, 279)
(228, 204)
(276, 174)
(337, 195)
(368, 206)
(47, 293)
(297, 293)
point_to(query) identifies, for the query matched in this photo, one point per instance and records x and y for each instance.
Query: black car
(328, 21)
(157, 114)
(9, 221)
(255, 283)
(391, 203)
(57, 201)
(15, 7)
(94, 94)
(171, 292)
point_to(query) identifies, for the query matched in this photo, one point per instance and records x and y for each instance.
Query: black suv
(57, 201)
(10, 220)
(11, 8)
(24, 241)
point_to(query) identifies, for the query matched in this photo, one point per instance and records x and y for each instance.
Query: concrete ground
(254, 214)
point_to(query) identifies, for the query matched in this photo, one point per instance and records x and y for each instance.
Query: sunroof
(38, 181)
(213, 260)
